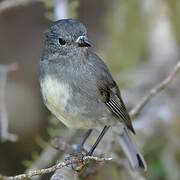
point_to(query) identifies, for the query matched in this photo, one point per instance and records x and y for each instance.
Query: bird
(79, 90)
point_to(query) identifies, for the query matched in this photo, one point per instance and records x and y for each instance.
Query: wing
(109, 90)
(112, 98)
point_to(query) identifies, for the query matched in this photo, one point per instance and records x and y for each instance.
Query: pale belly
(57, 95)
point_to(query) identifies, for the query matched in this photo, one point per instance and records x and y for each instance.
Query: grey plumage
(78, 88)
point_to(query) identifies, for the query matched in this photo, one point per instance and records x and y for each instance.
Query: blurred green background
(139, 41)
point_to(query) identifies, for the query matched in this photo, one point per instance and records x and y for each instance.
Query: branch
(162, 85)
(4, 134)
(71, 161)
(8, 4)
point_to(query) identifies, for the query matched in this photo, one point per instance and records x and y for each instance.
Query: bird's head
(66, 36)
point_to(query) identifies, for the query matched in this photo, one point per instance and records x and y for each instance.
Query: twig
(98, 159)
(8, 4)
(162, 85)
(4, 134)
(71, 161)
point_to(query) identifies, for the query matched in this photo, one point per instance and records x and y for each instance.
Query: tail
(135, 158)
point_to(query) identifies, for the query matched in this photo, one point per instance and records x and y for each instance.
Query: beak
(83, 41)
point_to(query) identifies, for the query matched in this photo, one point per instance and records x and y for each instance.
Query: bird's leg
(79, 150)
(83, 139)
(79, 167)
(98, 140)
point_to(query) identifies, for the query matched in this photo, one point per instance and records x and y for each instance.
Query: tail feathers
(135, 158)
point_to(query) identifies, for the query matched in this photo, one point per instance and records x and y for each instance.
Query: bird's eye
(61, 41)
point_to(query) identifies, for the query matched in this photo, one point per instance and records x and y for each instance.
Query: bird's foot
(79, 153)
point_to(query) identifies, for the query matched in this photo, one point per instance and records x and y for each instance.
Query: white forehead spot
(80, 38)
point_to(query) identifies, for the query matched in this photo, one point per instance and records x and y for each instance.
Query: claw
(80, 166)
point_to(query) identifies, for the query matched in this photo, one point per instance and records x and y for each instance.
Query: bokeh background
(139, 40)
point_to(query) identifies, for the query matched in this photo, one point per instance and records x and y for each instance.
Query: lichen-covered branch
(59, 165)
